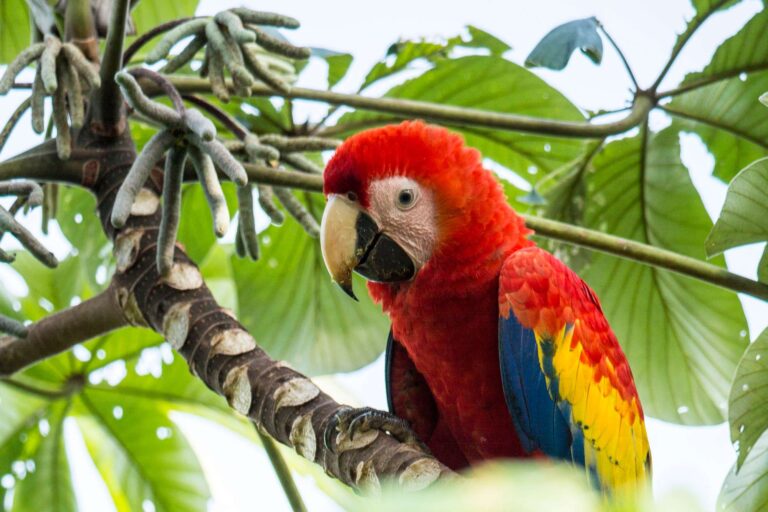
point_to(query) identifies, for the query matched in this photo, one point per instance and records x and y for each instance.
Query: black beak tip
(347, 287)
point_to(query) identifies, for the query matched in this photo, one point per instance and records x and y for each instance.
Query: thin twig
(621, 55)
(13, 120)
(444, 113)
(683, 39)
(283, 473)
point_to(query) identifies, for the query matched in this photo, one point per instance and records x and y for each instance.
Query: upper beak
(351, 240)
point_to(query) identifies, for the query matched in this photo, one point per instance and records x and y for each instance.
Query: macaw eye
(351, 196)
(406, 198)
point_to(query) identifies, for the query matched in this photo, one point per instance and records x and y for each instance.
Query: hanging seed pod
(138, 174)
(18, 64)
(193, 27)
(298, 211)
(169, 224)
(267, 203)
(209, 180)
(247, 226)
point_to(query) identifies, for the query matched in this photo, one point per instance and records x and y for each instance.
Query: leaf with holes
(297, 314)
(683, 337)
(555, 49)
(721, 105)
(744, 218)
(747, 414)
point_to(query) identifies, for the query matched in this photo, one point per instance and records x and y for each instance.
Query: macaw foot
(355, 422)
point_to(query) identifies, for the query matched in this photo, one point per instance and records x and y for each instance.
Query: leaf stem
(595, 240)
(283, 473)
(683, 39)
(621, 55)
(107, 99)
(644, 253)
(444, 113)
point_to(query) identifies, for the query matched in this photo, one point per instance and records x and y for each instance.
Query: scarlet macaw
(497, 349)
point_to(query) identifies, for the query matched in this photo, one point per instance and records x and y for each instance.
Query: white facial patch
(406, 213)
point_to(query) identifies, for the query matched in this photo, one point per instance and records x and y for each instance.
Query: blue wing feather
(540, 424)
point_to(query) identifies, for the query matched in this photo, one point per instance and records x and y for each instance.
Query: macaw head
(401, 196)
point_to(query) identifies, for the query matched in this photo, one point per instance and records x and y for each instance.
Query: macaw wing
(558, 354)
(409, 397)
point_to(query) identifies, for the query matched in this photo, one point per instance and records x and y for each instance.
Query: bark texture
(282, 402)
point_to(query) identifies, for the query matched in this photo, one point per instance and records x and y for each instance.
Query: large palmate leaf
(49, 485)
(297, 314)
(14, 29)
(744, 218)
(196, 228)
(140, 453)
(722, 106)
(121, 389)
(494, 84)
(747, 488)
(147, 15)
(747, 413)
(683, 337)
(404, 53)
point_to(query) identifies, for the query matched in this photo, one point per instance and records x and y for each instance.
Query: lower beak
(350, 241)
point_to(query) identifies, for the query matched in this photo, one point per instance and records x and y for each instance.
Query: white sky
(692, 458)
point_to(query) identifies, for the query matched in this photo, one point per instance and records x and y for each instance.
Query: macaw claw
(358, 421)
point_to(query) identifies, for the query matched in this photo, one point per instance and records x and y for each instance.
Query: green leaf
(297, 314)
(78, 220)
(15, 33)
(683, 337)
(555, 49)
(747, 414)
(196, 228)
(762, 267)
(338, 64)
(148, 15)
(747, 488)
(744, 218)
(406, 52)
(217, 272)
(49, 486)
(140, 453)
(746, 51)
(479, 38)
(722, 105)
(494, 84)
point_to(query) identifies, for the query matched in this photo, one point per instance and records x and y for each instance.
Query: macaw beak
(350, 241)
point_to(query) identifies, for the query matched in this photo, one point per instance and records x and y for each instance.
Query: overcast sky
(695, 459)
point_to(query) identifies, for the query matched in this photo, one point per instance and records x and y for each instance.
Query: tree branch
(107, 100)
(42, 163)
(62, 330)
(648, 254)
(596, 240)
(441, 113)
(281, 401)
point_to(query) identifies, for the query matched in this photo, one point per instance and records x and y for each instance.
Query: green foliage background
(685, 339)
